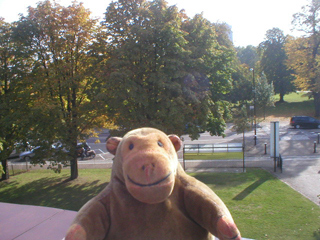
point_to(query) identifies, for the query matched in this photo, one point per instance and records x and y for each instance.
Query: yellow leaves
(302, 60)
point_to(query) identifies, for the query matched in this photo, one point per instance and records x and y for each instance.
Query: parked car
(304, 122)
(27, 155)
(19, 148)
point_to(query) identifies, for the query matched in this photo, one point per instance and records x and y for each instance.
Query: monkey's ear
(176, 141)
(112, 144)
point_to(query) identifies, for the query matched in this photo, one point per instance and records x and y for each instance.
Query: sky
(249, 19)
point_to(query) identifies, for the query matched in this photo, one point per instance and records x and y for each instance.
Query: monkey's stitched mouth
(150, 184)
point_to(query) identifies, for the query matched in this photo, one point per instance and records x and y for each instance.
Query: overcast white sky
(249, 19)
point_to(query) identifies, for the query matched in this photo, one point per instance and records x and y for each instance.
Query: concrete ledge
(26, 222)
(23, 222)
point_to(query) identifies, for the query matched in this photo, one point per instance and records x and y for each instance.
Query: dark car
(304, 122)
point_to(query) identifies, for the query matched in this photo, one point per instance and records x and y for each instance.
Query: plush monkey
(150, 197)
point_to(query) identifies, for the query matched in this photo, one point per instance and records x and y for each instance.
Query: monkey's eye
(131, 146)
(160, 144)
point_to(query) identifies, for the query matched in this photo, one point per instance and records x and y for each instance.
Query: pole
(243, 150)
(274, 148)
(184, 163)
(254, 107)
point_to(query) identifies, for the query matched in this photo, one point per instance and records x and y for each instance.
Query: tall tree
(14, 96)
(303, 52)
(209, 66)
(67, 95)
(273, 62)
(147, 59)
(163, 67)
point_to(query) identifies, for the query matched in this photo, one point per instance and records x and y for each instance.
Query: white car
(27, 155)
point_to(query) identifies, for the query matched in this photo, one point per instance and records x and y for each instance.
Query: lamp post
(254, 106)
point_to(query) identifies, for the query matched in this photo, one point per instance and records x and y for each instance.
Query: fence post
(265, 148)
(314, 147)
(184, 163)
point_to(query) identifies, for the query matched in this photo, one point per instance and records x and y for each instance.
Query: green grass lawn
(262, 206)
(295, 104)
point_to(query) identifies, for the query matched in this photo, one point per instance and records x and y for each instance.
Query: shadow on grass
(221, 180)
(52, 192)
(243, 183)
(247, 191)
(316, 234)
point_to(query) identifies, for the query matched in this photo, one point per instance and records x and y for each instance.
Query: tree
(67, 95)
(147, 59)
(242, 84)
(303, 52)
(168, 71)
(273, 62)
(210, 66)
(248, 55)
(264, 93)
(241, 119)
(14, 97)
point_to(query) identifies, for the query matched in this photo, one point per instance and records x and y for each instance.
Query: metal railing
(213, 148)
(216, 151)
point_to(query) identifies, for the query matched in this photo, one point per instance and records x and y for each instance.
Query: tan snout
(149, 176)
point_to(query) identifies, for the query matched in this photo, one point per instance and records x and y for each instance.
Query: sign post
(274, 142)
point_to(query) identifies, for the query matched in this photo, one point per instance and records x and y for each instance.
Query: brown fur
(151, 197)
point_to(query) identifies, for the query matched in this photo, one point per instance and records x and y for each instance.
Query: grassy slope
(263, 207)
(295, 104)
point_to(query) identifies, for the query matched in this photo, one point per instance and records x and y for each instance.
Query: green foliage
(241, 117)
(68, 98)
(248, 56)
(303, 53)
(14, 96)
(273, 62)
(264, 93)
(242, 84)
(168, 71)
(148, 64)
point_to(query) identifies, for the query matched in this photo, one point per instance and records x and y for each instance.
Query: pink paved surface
(25, 222)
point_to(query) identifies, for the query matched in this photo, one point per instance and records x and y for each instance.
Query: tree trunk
(73, 152)
(74, 168)
(281, 97)
(5, 167)
(74, 155)
(316, 97)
